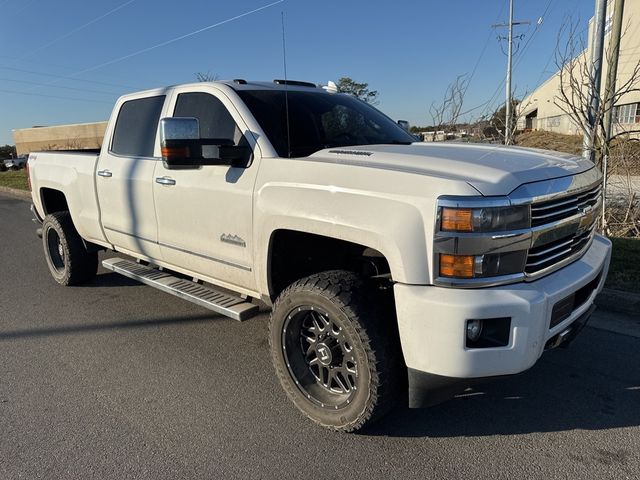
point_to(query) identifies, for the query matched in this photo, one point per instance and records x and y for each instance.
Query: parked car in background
(15, 163)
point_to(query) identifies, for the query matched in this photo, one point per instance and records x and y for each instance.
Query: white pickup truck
(395, 270)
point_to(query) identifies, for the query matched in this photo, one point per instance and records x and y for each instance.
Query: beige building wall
(540, 110)
(61, 137)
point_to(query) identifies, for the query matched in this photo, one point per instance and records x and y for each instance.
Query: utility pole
(595, 70)
(508, 130)
(609, 94)
(612, 73)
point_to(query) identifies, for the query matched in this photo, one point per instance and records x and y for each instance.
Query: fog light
(474, 330)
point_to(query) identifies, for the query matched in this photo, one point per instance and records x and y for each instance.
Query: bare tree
(577, 79)
(206, 77)
(499, 119)
(445, 114)
(577, 82)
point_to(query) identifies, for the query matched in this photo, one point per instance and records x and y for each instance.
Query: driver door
(205, 213)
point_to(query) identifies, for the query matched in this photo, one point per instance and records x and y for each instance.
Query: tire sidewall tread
(343, 293)
(80, 265)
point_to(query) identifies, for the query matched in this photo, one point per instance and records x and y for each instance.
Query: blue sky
(407, 50)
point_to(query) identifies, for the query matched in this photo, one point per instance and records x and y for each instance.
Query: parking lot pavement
(117, 380)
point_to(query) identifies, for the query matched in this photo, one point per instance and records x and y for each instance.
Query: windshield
(320, 120)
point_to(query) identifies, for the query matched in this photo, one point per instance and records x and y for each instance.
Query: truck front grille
(549, 254)
(573, 217)
(563, 207)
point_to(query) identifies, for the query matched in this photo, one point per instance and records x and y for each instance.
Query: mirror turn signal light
(175, 152)
(457, 219)
(459, 266)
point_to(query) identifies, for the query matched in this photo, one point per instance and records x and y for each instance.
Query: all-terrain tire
(67, 258)
(363, 323)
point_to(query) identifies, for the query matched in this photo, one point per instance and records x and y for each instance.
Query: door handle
(165, 181)
(104, 173)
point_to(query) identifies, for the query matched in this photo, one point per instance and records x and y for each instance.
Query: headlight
(485, 219)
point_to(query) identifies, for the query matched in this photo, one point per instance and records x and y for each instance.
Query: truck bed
(72, 172)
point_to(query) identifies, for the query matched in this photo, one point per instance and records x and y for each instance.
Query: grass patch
(551, 141)
(624, 273)
(14, 179)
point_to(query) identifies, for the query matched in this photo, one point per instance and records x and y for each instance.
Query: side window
(214, 118)
(136, 127)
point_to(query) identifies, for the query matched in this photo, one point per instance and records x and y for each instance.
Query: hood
(490, 169)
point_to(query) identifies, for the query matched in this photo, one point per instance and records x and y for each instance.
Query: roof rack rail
(296, 83)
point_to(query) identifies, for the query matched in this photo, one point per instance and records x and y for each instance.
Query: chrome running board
(223, 303)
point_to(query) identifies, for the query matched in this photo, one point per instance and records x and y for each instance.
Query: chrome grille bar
(564, 207)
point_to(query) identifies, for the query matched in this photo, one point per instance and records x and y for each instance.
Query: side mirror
(182, 146)
(404, 125)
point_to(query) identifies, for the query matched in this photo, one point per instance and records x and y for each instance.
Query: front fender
(392, 226)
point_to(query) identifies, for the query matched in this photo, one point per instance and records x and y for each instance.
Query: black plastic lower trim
(568, 335)
(428, 389)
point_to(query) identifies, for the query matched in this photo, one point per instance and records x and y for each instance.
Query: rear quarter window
(136, 127)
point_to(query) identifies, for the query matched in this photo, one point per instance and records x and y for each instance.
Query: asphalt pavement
(118, 380)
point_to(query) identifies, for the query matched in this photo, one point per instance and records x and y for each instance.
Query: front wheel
(67, 258)
(332, 350)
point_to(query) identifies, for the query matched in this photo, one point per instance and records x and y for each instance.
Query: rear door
(125, 177)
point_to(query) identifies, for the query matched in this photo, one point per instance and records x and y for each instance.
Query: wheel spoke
(307, 337)
(325, 376)
(336, 331)
(316, 323)
(326, 353)
(336, 375)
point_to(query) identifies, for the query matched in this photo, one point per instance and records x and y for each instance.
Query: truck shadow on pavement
(111, 279)
(593, 385)
(96, 327)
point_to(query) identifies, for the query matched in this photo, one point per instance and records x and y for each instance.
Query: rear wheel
(332, 352)
(67, 258)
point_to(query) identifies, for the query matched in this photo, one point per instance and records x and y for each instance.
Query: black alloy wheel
(335, 351)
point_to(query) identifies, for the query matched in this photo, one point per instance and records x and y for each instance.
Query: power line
(77, 29)
(533, 34)
(509, 92)
(33, 72)
(25, 5)
(54, 96)
(78, 89)
(491, 101)
(553, 52)
(484, 49)
(168, 42)
(176, 39)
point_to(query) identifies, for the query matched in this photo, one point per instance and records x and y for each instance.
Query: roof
(239, 84)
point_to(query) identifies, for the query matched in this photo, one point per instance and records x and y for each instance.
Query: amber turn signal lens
(457, 219)
(459, 266)
(175, 152)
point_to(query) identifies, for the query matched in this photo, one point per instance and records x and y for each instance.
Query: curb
(14, 192)
(619, 301)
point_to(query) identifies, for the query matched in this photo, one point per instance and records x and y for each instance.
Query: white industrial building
(540, 111)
